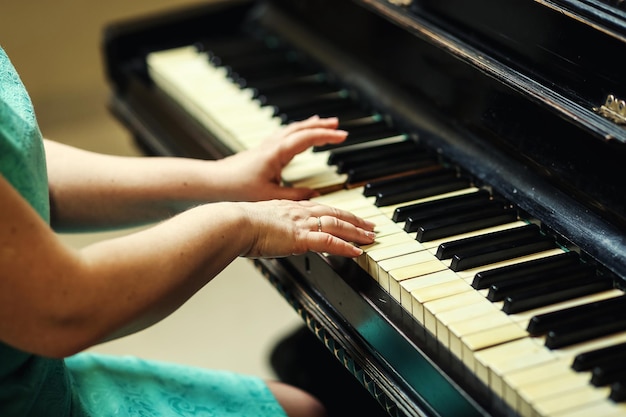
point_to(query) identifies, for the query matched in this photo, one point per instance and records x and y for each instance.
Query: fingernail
(357, 251)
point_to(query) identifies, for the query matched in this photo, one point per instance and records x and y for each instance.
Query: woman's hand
(284, 227)
(255, 174)
(90, 190)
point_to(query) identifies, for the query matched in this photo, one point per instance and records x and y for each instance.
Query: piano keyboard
(526, 316)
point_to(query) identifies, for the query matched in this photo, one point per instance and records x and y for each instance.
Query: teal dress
(89, 384)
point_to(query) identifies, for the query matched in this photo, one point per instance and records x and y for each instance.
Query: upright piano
(487, 140)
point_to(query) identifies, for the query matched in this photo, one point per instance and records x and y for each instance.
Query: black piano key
(501, 290)
(586, 329)
(608, 374)
(374, 187)
(260, 60)
(501, 252)
(436, 187)
(365, 117)
(348, 112)
(280, 82)
(611, 354)
(618, 391)
(401, 214)
(542, 323)
(492, 215)
(442, 210)
(255, 60)
(350, 158)
(374, 126)
(364, 132)
(329, 107)
(230, 47)
(485, 279)
(259, 73)
(354, 115)
(357, 157)
(555, 293)
(373, 155)
(273, 73)
(356, 138)
(381, 169)
(329, 99)
(291, 98)
(404, 184)
(447, 250)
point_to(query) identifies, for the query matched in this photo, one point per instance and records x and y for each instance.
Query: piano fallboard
(510, 123)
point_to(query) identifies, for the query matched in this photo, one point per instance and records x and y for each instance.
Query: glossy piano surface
(504, 93)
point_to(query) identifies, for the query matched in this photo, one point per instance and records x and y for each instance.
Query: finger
(300, 141)
(346, 216)
(344, 230)
(312, 122)
(325, 243)
(320, 210)
(315, 210)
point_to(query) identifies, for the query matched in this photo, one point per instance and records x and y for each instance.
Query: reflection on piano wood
(498, 305)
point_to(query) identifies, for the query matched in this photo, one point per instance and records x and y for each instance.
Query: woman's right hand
(283, 228)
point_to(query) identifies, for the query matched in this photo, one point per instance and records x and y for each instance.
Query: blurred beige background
(235, 320)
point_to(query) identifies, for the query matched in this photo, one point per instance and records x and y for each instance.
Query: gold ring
(319, 224)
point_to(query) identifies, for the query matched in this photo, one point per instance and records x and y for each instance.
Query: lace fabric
(128, 386)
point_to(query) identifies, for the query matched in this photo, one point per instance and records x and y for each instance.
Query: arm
(56, 301)
(94, 191)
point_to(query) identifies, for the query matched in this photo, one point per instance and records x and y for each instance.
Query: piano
(487, 139)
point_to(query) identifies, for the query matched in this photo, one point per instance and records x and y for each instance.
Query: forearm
(93, 191)
(116, 287)
(148, 275)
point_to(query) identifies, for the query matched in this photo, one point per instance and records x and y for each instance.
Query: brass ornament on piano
(613, 109)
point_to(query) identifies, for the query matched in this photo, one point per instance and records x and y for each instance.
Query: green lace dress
(89, 384)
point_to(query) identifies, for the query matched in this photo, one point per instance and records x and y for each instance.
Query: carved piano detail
(481, 142)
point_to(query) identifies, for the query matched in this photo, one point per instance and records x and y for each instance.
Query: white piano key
(531, 375)
(486, 324)
(377, 256)
(414, 272)
(414, 292)
(433, 308)
(406, 260)
(601, 408)
(572, 401)
(347, 196)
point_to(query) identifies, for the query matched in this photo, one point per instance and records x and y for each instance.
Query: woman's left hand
(255, 174)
